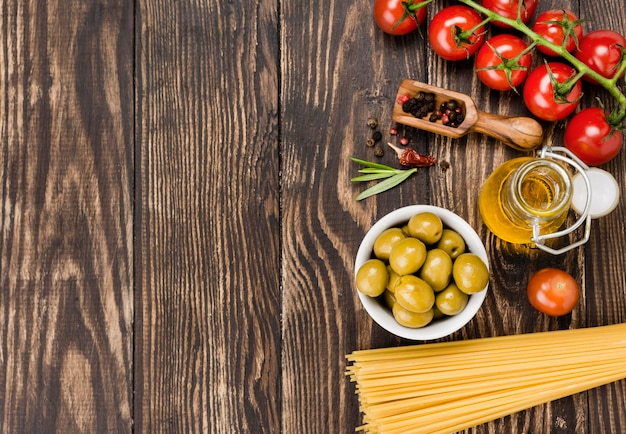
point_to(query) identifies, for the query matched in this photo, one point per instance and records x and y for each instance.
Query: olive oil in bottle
(523, 193)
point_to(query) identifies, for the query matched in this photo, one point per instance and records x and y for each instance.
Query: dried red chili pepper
(409, 157)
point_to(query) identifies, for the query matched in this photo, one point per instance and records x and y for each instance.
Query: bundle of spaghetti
(450, 386)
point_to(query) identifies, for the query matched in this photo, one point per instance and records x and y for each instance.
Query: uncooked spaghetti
(451, 386)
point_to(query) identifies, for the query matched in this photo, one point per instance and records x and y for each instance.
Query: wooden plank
(208, 239)
(66, 243)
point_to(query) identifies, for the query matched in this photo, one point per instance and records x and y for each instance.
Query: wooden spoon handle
(521, 133)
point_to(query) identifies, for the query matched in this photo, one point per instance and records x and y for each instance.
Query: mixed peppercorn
(407, 156)
(423, 105)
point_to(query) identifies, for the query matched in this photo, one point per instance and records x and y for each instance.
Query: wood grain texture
(208, 305)
(178, 225)
(66, 170)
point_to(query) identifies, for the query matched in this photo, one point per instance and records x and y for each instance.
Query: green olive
(410, 319)
(389, 298)
(426, 227)
(372, 277)
(470, 273)
(394, 279)
(437, 269)
(452, 243)
(407, 256)
(451, 300)
(385, 241)
(413, 294)
(436, 312)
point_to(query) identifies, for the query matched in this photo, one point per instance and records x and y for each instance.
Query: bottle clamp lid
(604, 193)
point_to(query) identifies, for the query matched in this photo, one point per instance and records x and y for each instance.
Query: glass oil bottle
(524, 194)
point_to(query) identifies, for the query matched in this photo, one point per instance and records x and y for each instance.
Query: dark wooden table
(178, 226)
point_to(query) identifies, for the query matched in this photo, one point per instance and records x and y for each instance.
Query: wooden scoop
(521, 133)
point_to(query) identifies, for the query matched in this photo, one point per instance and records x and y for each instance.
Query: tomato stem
(409, 11)
(413, 7)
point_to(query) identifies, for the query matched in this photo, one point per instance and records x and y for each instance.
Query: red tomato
(590, 137)
(396, 17)
(510, 8)
(553, 291)
(601, 51)
(539, 93)
(552, 25)
(492, 62)
(446, 32)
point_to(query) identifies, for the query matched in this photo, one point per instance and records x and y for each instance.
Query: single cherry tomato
(601, 51)
(553, 291)
(590, 137)
(553, 24)
(510, 9)
(540, 96)
(455, 32)
(496, 66)
(398, 17)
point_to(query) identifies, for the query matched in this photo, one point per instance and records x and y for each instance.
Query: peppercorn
(423, 105)
(393, 131)
(372, 122)
(377, 135)
(403, 98)
(378, 151)
(370, 142)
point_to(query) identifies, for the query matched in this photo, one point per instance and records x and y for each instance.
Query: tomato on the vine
(591, 138)
(398, 17)
(553, 291)
(496, 63)
(456, 32)
(540, 95)
(553, 25)
(510, 9)
(601, 50)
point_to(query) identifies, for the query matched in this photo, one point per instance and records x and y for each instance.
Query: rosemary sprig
(374, 171)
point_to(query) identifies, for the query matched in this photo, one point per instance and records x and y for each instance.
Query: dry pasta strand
(451, 386)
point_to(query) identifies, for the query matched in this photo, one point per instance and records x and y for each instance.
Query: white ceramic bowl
(440, 327)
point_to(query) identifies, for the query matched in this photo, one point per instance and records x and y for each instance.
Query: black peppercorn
(372, 123)
(377, 135)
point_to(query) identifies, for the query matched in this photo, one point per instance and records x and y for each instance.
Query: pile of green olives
(422, 271)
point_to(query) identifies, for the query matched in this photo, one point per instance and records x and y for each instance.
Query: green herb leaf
(372, 164)
(372, 177)
(373, 170)
(387, 183)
